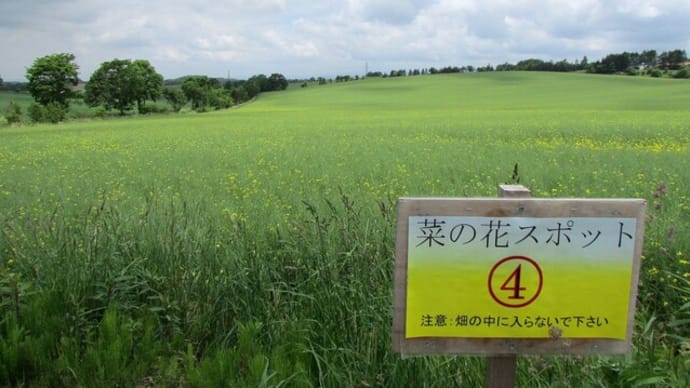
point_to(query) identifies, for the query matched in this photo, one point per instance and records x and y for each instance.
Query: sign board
(509, 275)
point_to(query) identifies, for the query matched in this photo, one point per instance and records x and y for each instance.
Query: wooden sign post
(516, 275)
(500, 369)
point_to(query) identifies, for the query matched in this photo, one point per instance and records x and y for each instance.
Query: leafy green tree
(648, 58)
(673, 59)
(616, 63)
(220, 98)
(147, 84)
(203, 92)
(683, 73)
(239, 94)
(13, 113)
(253, 88)
(175, 97)
(52, 78)
(121, 83)
(655, 73)
(112, 85)
(276, 81)
(197, 90)
(52, 112)
(261, 81)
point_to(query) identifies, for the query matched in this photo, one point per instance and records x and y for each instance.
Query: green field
(254, 246)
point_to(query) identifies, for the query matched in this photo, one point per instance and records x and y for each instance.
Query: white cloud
(644, 9)
(312, 38)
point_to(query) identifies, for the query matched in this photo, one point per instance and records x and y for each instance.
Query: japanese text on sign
(497, 233)
(573, 272)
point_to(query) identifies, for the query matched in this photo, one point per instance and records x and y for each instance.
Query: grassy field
(254, 246)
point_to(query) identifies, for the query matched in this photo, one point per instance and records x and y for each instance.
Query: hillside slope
(492, 91)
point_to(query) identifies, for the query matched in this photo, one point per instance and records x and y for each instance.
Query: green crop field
(254, 246)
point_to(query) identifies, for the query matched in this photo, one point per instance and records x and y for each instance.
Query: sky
(312, 38)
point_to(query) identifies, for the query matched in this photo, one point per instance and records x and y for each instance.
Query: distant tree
(197, 90)
(175, 97)
(277, 81)
(613, 63)
(204, 92)
(219, 98)
(239, 94)
(112, 85)
(506, 67)
(648, 58)
(52, 113)
(147, 83)
(259, 80)
(673, 59)
(13, 112)
(215, 83)
(52, 78)
(121, 83)
(682, 73)
(2, 84)
(253, 88)
(584, 62)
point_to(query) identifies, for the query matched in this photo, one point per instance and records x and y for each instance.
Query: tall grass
(254, 247)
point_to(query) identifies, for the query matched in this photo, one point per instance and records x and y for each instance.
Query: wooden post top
(513, 191)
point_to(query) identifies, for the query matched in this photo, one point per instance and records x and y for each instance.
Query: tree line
(674, 62)
(124, 85)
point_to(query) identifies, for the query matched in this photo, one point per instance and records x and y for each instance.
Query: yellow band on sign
(519, 277)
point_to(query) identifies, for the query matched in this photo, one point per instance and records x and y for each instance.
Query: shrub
(656, 73)
(220, 99)
(682, 73)
(100, 112)
(36, 112)
(53, 113)
(631, 71)
(153, 108)
(13, 113)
